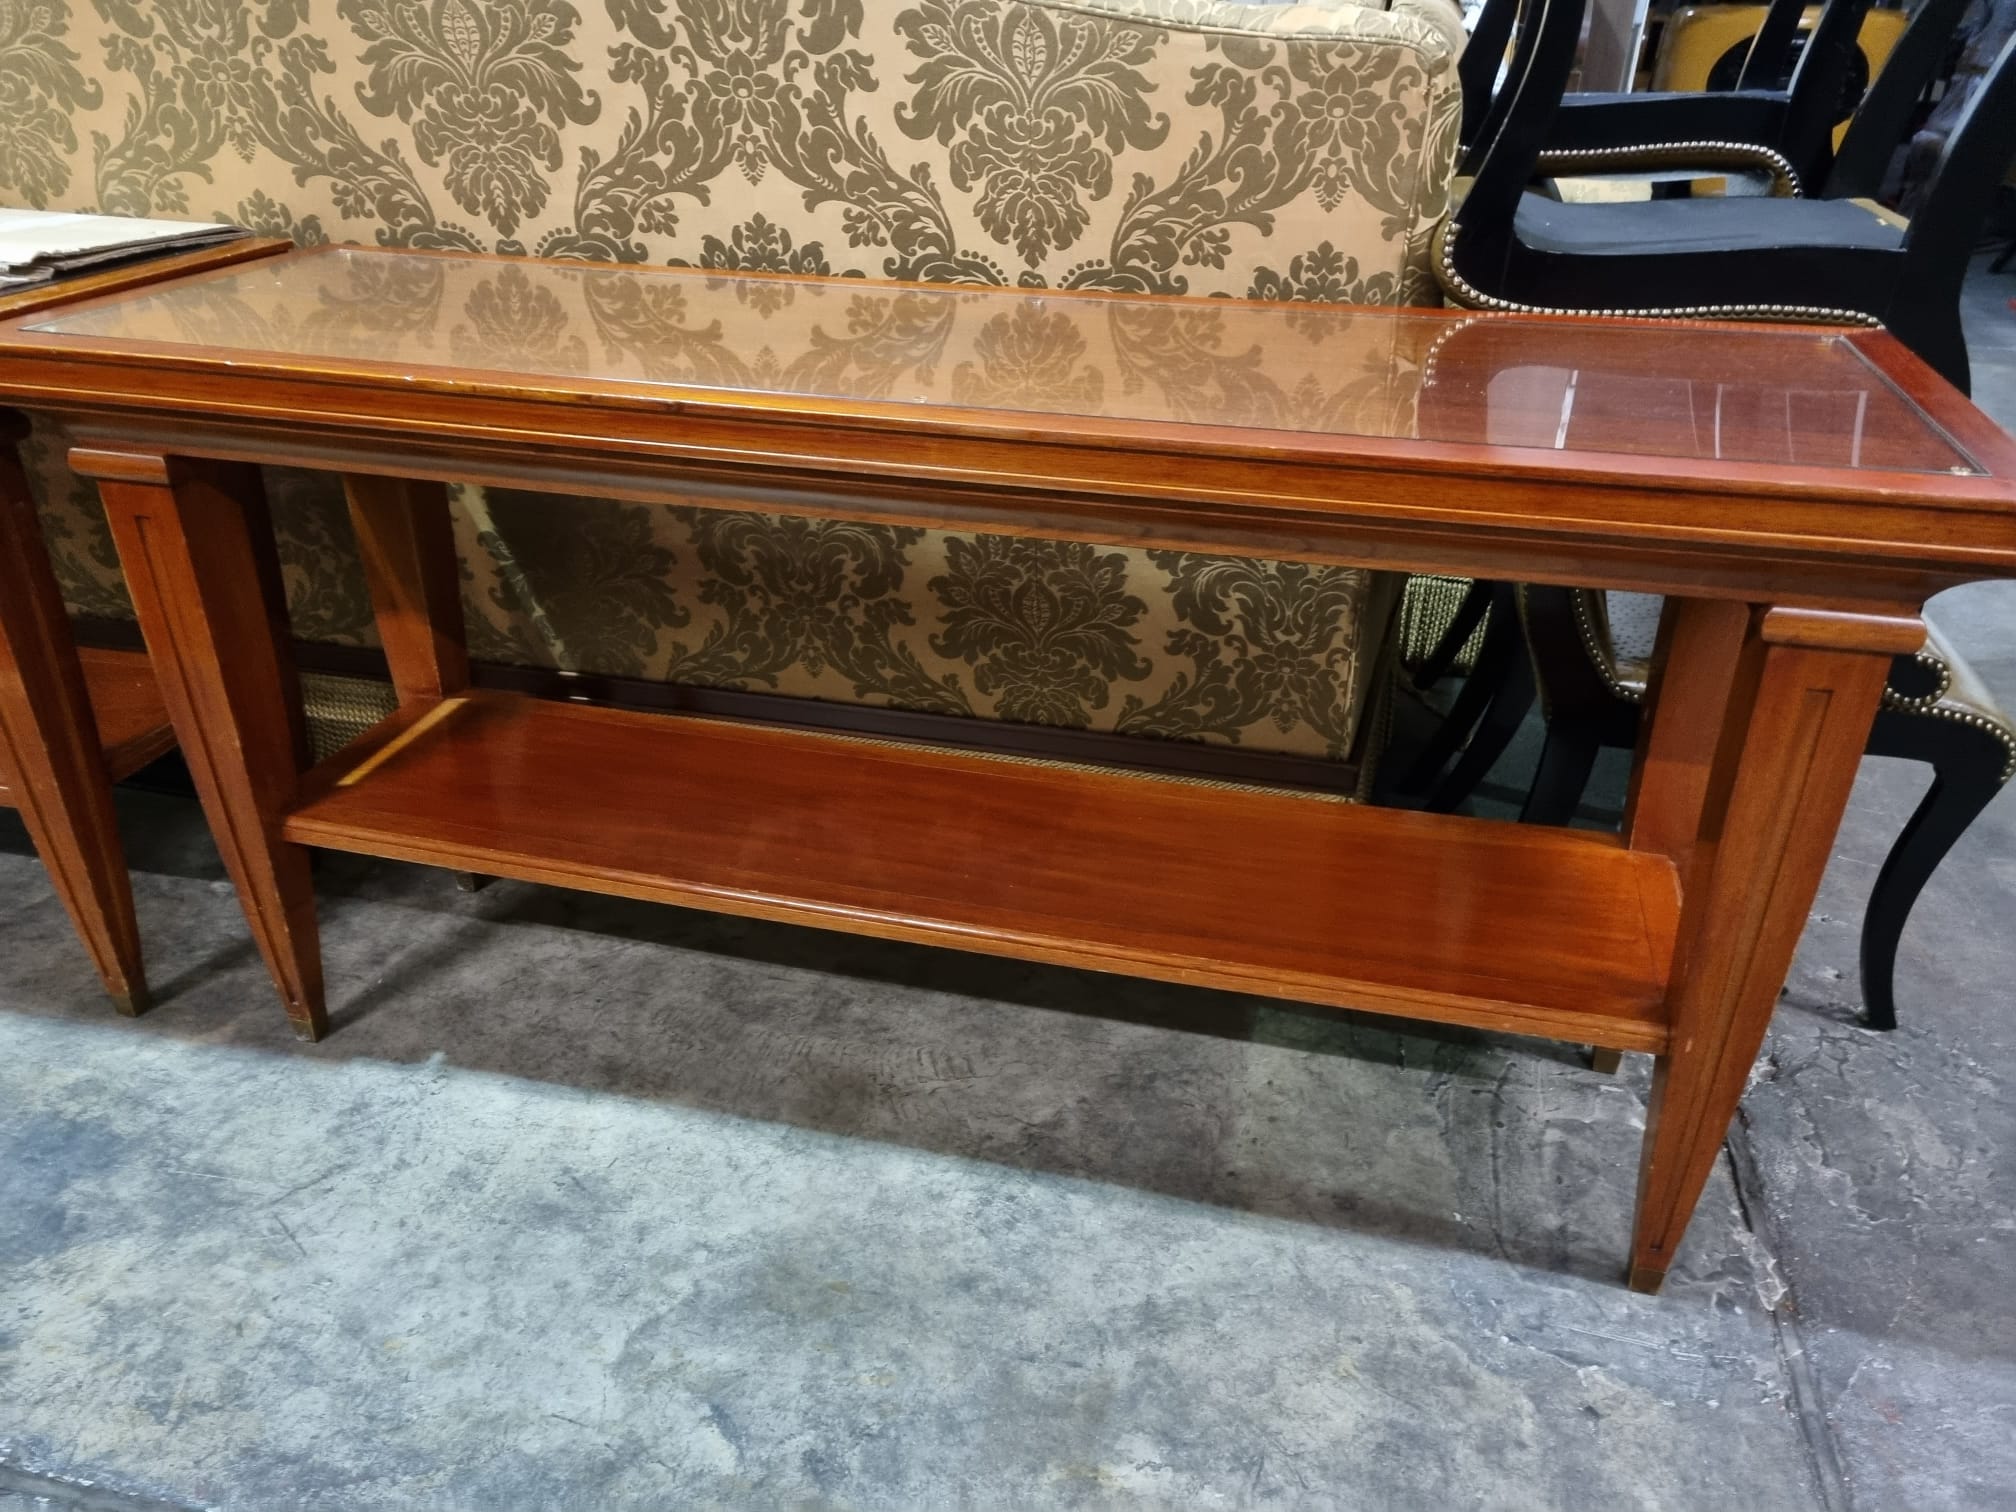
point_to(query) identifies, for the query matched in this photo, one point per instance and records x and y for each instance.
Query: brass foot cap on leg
(1647, 1280)
(307, 1028)
(133, 1004)
(1605, 1062)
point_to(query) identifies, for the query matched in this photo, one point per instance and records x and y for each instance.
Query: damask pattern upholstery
(1297, 151)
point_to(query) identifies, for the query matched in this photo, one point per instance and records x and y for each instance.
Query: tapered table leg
(1800, 698)
(407, 540)
(196, 548)
(50, 758)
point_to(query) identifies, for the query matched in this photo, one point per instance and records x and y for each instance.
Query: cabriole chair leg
(1511, 700)
(1566, 762)
(1500, 658)
(1969, 766)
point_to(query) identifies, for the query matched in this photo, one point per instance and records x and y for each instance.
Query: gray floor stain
(588, 1204)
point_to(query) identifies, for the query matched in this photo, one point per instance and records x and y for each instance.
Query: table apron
(1463, 544)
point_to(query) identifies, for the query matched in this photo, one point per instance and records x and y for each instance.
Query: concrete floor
(594, 1205)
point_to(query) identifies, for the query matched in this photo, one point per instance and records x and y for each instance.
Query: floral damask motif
(760, 84)
(589, 575)
(796, 593)
(327, 600)
(1179, 349)
(73, 527)
(518, 327)
(1045, 624)
(41, 87)
(760, 245)
(1029, 357)
(484, 88)
(206, 75)
(1268, 642)
(1315, 118)
(263, 215)
(1323, 276)
(1040, 102)
(1338, 115)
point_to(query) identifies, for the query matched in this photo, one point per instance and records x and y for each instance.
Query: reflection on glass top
(1677, 392)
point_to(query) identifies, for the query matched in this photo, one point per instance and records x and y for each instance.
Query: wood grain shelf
(133, 725)
(1556, 933)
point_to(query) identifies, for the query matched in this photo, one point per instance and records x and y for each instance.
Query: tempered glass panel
(1661, 391)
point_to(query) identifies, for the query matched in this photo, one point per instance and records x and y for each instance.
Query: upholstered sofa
(1298, 151)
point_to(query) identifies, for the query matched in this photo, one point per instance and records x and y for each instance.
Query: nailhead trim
(1475, 298)
(1929, 706)
(1975, 720)
(1943, 674)
(1599, 656)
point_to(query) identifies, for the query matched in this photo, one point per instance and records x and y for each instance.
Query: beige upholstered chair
(1298, 151)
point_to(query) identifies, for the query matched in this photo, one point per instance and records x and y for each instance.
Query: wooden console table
(73, 723)
(1798, 494)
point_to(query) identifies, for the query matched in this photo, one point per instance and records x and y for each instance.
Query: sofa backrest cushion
(1183, 146)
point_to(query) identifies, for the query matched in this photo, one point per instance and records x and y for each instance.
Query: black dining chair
(1482, 60)
(1760, 125)
(1886, 113)
(1738, 130)
(1843, 261)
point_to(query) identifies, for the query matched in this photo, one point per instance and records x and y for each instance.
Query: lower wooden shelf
(1556, 933)
(133, 722)
(133, 726)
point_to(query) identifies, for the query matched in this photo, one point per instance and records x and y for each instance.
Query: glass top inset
(1678, 392)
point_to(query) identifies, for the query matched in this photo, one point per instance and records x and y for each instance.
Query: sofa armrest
(1432, 27)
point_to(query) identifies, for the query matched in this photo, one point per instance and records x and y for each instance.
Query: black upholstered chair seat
(1638, 227)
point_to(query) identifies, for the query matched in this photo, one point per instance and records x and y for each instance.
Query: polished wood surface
(204, 585)
(1798, 493)
(1796, 395)
(71, 725)
(1420, 439)
(1242, 888)
(52, 766)
(407, 543)
(1792, 735)
(1693, 668)
(130, 719)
